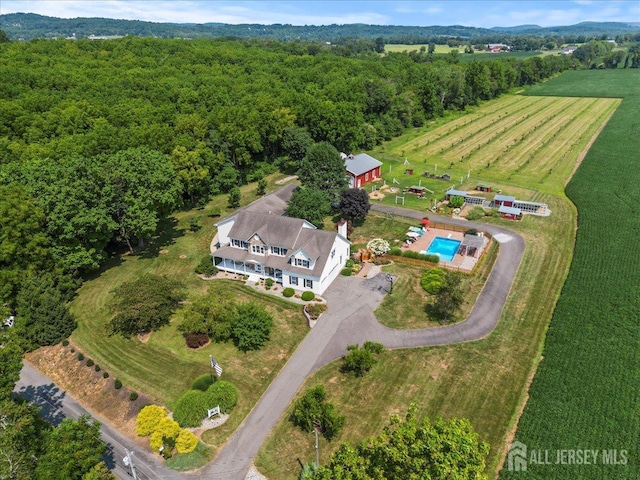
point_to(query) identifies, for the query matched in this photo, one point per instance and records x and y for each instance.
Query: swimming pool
(445, 248)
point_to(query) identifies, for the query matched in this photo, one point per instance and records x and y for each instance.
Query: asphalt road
(56, 405)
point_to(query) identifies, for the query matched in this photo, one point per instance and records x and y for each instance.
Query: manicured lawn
(163, 367)
(484, 381)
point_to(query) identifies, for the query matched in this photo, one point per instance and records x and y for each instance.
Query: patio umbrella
(413, 234)
(424, 221)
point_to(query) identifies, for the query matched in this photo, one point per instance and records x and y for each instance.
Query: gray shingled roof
(361, 163)
(283, 232)
(274, 203)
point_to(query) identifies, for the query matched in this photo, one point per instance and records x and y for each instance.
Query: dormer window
(257, 249)
(239, 243)
(301, 262)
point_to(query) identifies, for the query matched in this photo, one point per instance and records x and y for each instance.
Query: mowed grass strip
(585, 392)
(484, 381)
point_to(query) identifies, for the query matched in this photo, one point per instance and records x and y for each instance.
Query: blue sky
(309, 12)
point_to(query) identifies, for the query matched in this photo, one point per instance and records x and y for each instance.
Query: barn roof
(361, 163)
(504, 198)
(509, 210)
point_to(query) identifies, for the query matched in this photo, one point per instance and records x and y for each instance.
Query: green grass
(163, 367)
(484, 381)
(512, 142)
(585, 392)
(183, 462)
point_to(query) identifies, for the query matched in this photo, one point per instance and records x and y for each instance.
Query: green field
(481, 55)
(585, 394)
(523, 146)
(162, 366)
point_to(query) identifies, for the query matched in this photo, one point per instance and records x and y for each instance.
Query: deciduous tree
(323, 169)
(354, 204)
(411, 448)
(311, 204)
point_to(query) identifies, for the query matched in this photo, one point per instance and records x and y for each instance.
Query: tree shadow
(169, 232)
(48, 398)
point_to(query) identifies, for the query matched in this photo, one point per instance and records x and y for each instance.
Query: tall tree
(71, 450)
(354, 204)
(10, 362)
(323, 169)
(21, 432)
(309, 204)
(142, 188)
(412, 449)
(145, 304)
(43, 316)
(449, 298)
(23, 244)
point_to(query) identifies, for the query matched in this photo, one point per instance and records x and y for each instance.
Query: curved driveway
(350, 320)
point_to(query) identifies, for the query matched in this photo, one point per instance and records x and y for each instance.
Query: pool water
(445, 248)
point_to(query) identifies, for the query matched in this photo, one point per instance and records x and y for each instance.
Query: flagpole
(211, 367)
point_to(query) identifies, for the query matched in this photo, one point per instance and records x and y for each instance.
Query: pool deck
(459, 262)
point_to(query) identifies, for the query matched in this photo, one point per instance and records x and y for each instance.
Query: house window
(366, 176)
(300, 262)
(239, 243)
(333, 253)
(279, 251)
(293, 280)
(308, 283)
(257, 249)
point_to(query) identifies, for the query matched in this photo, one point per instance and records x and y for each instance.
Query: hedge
(224, 394)
(192, 407)
(186, 442)
(148, 419)
(308, 296)
(288, 292)
(203, 382)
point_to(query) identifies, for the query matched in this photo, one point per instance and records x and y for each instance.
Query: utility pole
(128, 462)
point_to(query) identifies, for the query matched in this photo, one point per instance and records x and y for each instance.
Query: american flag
(216, 367)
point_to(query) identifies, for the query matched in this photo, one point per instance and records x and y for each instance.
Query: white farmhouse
(258, 241)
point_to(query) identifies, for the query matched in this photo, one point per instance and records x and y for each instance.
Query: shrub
(373, 347)
(251, 326)
(186, 442)
(206, 267)
(73, 350)
(133, 396)
(421, 256)
(350, 263)
(65, 342)
(312, 409)
(315, 310)
(395, 251)
(358, 361)
(224, 394)
(346, 272)
(308, 296)
(432, 280)
(269, 282)
(471, 231)
(165, 433)
(203, 382)
(105, 374)
(288, 292)
(191, 408)
(148, 419)
(196, 340)
(97, 368)
(476, 213)
(378, 246)
(90, 363)
(80, 357)
(456, 201)
(117, 384)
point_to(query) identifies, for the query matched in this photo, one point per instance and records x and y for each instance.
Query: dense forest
(28, 26)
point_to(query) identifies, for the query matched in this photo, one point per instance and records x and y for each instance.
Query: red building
(503, 200)
(361, 169)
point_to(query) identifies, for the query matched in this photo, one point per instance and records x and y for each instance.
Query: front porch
(248, 267)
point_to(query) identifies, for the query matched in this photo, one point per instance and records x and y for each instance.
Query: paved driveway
(349, 320)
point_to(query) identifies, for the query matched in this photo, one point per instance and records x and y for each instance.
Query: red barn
(511, 213)
(362, 169)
